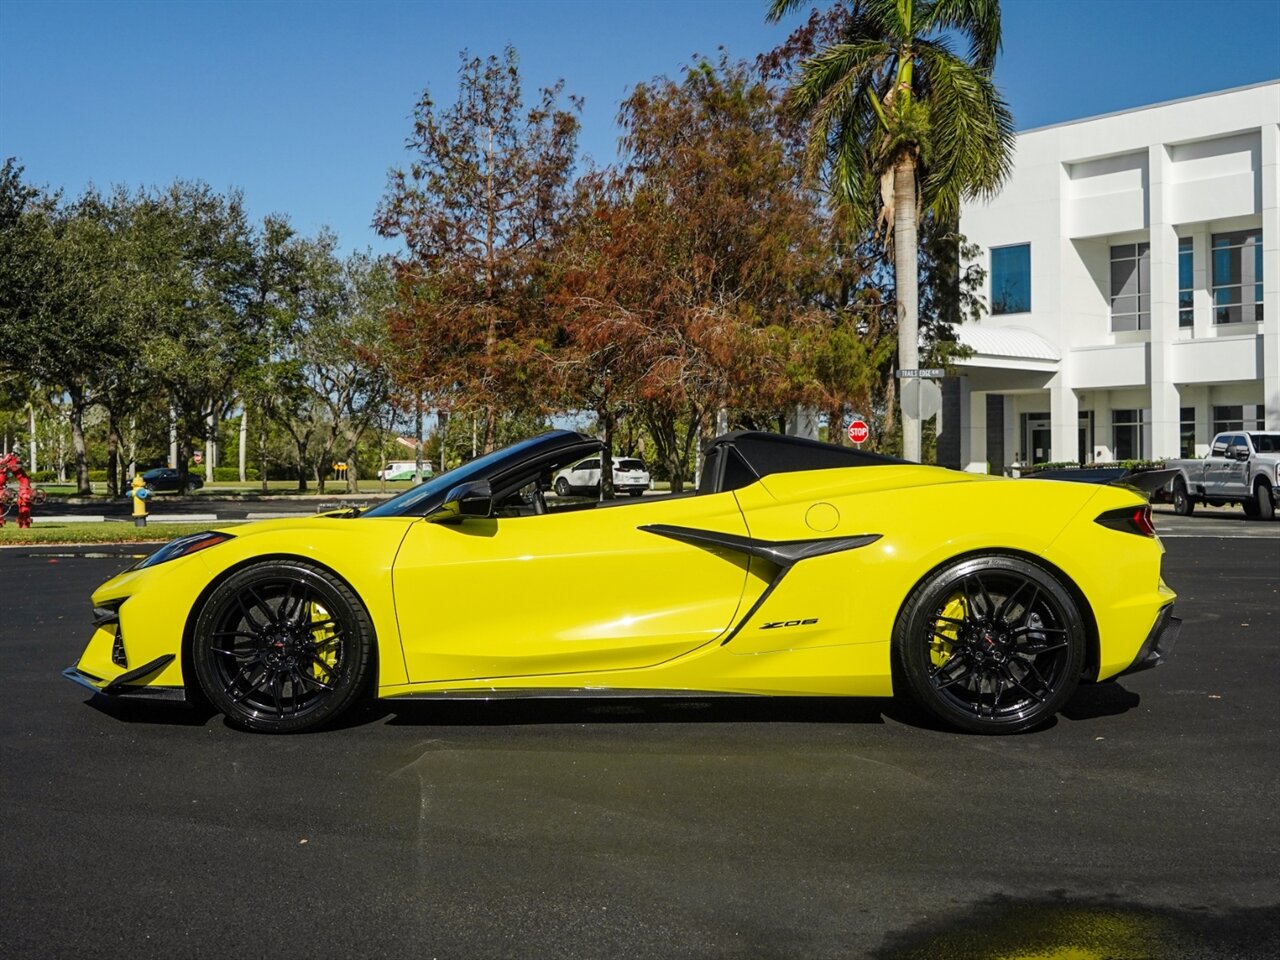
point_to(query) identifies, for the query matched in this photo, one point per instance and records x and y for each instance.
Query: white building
(1133, 287)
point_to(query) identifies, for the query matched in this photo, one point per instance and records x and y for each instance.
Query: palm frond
(971, 130)
(979, 20)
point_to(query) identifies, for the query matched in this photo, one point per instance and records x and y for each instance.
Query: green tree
(194, 257)
(902, 123)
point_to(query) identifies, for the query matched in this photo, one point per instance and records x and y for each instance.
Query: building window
(1237, 277)
(1186, 298)
(1187, 432)
(1131, 287)
(1128, 429)
(1011, 279)
(1246, 416)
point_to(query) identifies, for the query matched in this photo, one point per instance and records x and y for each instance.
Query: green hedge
(230, 474)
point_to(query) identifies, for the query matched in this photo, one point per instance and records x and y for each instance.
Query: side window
(1239, 447)
(588, 465)
(1011, 279)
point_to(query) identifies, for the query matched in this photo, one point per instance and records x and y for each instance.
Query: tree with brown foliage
(478, 208)
(705, 252)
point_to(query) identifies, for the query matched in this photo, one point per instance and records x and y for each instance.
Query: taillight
(1130, 520)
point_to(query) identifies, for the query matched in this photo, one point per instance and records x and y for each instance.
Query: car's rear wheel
(1182, 502)
(991, 644)
(282, 647)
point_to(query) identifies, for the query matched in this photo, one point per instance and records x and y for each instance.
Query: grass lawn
(334, 488)
(110, 531)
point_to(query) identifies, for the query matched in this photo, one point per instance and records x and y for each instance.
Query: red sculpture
(25, 496)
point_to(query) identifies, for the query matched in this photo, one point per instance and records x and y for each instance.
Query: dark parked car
(167, 480)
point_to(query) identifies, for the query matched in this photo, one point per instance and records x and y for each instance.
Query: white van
(403, 470)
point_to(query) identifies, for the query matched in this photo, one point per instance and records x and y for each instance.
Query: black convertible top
(740, 458)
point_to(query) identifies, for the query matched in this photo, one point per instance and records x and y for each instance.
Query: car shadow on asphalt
(613, 710)
(1091, 701)
(1094, 700)
(1063, 925)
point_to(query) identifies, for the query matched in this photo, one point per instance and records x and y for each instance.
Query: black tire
(562, 487)
(192, 486)
(1264, 500)
(282, 647)
(637, 493)
(1183, 505)
(991, 645)
(1250, 507)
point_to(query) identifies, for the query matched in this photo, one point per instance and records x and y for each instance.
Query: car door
(568, 592)
(1217, 468)
(586, 474)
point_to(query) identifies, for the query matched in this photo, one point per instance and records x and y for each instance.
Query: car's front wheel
(1264, 501)
(282, 646)
(991, 644)
(562, 487)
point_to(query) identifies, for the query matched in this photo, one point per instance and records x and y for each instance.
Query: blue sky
(306, 105)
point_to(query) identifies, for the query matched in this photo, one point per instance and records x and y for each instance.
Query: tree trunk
(353, 474)
(76, 392)
(442, 425)
(606, 455)
(906, 281)
(244, 438)
(113, 456)
(33, 460)
(420, 449)
(301, 447)
(262, 451)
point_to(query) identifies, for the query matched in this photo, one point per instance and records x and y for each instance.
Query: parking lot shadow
(1062, 925)
(569, 710)
(1094, 700)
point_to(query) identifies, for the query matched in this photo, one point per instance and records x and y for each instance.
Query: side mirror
(473, 499)
(1242, 453)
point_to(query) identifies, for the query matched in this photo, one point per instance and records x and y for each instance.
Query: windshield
(416, 500)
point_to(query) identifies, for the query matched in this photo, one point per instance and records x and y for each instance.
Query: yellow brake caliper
(326, 651)
(945, 633)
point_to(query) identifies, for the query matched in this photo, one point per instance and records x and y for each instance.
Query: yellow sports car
(797, 568)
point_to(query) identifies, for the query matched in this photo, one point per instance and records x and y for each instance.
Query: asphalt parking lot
(1141, 824)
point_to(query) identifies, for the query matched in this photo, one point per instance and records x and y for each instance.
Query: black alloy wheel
(1182, 502)
(282, 647)
(991, 644)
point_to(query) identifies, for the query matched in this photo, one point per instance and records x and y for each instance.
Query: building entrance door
(1085, 445)
(1037, 438)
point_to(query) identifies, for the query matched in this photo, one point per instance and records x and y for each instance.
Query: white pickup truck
(1242, 467)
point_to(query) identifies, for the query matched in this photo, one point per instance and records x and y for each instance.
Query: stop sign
(859, 431)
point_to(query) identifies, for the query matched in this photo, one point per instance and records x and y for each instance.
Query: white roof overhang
(1008, 348)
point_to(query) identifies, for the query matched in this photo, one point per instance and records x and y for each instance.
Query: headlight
(184, 546)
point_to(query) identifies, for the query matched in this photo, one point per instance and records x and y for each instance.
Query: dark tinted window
(736, 473)
(1266, 442)
(710, 471)
(629, 464)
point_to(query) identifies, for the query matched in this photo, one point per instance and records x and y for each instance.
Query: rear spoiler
(1145, 482)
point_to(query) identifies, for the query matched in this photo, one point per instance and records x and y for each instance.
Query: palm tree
(902, 124)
